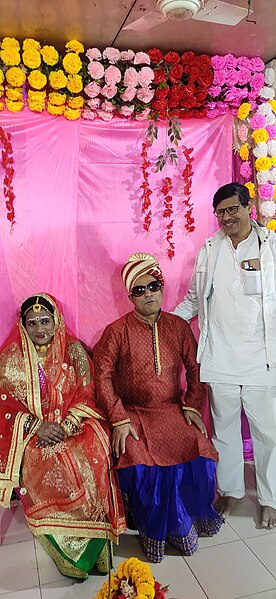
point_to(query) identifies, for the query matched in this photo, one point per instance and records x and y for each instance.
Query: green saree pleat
(96, 549)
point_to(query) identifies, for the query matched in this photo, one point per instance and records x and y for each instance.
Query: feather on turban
(138, 265)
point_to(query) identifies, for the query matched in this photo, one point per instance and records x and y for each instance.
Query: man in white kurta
(233, 291)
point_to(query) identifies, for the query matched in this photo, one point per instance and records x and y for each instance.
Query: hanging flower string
(187, 175)
(7, 164)
(167, 213)
(146, 203)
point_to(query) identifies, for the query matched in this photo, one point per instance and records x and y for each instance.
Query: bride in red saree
(54, 444)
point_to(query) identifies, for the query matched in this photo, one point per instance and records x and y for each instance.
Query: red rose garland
(146, 203)
(187, 175)
(167, 213)
(7, 162)
(181, 83)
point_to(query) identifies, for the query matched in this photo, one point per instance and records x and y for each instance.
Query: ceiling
(99, 23)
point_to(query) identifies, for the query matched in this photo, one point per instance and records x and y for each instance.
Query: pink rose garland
(120, 84)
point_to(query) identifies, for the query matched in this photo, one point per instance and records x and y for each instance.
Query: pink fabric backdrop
(78, 213)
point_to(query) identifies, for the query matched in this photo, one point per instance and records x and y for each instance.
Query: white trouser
(259, 404)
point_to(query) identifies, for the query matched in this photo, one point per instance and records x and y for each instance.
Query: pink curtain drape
(78, 213)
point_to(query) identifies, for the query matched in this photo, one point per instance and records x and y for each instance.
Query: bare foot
(226, 505)
(268, 516)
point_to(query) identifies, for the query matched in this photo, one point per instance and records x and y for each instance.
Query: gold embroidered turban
(138, 265)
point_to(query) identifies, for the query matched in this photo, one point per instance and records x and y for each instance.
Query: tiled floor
(239, 562)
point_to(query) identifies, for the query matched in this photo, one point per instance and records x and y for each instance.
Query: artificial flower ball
(74, 84)
(55, 110)
(268, 208)
(57, 99)
(244, 151)
(57, 79)
(72, 63)
(49, 55)
(31, 58)
(244, 110)
(31, 44)
(15, 76)
(10, 57)
(37, 80)
(251, 188)
(14, 106)
(263, 164)
(76, 103)
(36, 100)
(74, 46)
(71, 115)
(36, 106)
(271, 225)
(260, 135)
(14, 93)
(10, 42)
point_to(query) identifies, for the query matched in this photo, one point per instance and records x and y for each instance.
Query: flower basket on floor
(133, 580)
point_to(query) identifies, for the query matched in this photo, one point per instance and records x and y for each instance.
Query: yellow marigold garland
(74, 46)
(244, 110)
(272, 225)
(14, 93)
(49, 55)
(244, 151)
(31, 58)
(251, 188)
(15, 77)
(272, 104)
(74, 84)
(55, 110)
(14, 106)
(136, 573)
(71, 114)
(10, 42)
(36, 101)
(72, 63)
(10, 57)
(37, 80)
(263, 163)
(30, 44)
(260, 135)
(57, 98)
(57, 79)
(76, 102)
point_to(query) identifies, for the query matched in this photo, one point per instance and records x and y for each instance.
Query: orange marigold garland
(187, 175)
(146, 203)
(167, 213)
(7, 164)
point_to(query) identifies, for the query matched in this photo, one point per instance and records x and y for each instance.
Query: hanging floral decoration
(118, 83)
(181, 83)
(133, 580)
(145, 199)
(257, 133)
(187, 175)
(236, 80)
(7, 164)
(167, 213)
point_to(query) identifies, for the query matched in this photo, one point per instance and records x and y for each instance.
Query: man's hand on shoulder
(193, 418)
(119, 436)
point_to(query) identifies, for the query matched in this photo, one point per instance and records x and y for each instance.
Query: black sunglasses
(140, 290)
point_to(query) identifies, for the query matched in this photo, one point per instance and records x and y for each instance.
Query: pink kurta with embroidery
(132, 383)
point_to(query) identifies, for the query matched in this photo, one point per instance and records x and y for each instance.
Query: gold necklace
(42, 348)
